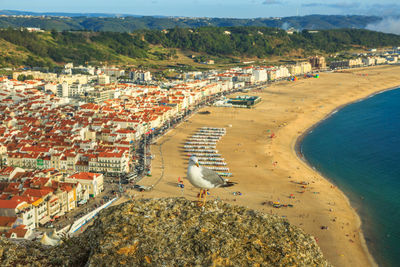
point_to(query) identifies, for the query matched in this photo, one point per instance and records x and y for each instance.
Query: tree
(21, 77)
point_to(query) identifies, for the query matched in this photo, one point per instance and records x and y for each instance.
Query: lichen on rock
(176, 232)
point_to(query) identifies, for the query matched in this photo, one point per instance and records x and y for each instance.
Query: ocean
(358, 149)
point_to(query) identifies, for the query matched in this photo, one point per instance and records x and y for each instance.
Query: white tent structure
(52, 240)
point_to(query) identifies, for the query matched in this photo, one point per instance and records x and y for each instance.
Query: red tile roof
(84, 176)
(7, 171)
(27, 199)
(7, 221)
(37, 192)
(20, 231)
(9, 204)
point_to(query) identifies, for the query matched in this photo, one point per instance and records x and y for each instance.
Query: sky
(210, 8)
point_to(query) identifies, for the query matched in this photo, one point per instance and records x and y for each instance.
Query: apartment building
(91, 182)
(21, 210)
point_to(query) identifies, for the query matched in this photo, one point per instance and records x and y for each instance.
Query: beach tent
(49, 241)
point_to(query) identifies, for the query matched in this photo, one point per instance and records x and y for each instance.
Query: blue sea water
(358, 149)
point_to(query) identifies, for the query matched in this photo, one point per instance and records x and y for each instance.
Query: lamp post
(144, 152)
(144, 148)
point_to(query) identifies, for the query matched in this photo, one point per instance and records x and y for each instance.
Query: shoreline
(248, 149)
(299, 153)
(300, 138)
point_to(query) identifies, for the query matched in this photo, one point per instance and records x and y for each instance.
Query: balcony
(44, 220)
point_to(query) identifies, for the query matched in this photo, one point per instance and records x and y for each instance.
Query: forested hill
(48, 48)
(90, 22)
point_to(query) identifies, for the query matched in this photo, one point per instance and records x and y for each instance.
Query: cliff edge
(175, 232)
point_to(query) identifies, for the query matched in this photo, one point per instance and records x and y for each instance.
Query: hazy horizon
(207, 8)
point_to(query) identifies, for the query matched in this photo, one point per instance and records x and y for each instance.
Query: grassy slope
(86, 44)
(9, 51)
(19, 54)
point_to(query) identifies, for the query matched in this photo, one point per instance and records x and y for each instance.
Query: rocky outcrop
(175, 232)
(72, 252)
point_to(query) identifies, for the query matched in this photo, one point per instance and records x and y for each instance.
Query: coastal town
(199, 133)
(72, 143)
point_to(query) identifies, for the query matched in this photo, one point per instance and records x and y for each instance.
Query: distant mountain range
(128, 23)
(63, 14)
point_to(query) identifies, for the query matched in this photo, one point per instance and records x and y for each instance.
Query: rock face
(27, 253)
(175, 232)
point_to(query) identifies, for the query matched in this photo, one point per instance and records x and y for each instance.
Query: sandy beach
(268, 169)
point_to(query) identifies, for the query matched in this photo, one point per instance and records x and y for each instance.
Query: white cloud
(338, 5)
(389, 25)
(271, 2)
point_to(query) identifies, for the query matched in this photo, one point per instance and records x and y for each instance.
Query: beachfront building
(294, 69)
(380, 60)
(340, 64)
(41, 196)
(392, 59)
(318, 62)
(244, 101)
(48, 196)
(41, 211)
(369, 61)
(245, 77)
(305, 67)
(260, 75)
(53, 206)
(91, 182)
(272, 74)
(281, 72)
(357, 62)
(277, 73)
(112, 163)
(300, 68)
(66, 194)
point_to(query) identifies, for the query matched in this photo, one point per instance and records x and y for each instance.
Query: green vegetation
(261, 41)
(130, 23)
(46, 49)
(223, 44)
(22, 77)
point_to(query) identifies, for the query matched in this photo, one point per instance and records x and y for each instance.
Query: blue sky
(210, 8)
